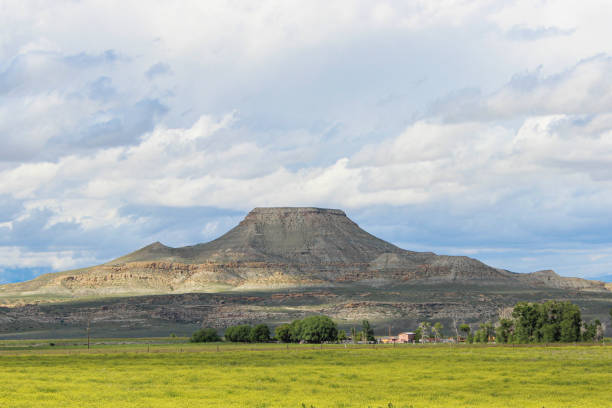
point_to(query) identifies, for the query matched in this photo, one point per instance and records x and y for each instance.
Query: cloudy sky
(480, 128)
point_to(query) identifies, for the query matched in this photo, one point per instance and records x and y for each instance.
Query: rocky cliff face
(278, 248)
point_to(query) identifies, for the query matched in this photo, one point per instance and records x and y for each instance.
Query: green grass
(80, 343)
(272, 376)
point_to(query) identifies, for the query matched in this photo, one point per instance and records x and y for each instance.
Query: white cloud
(59, 260)
(428, 162)
(584, 25)
(219, 29)
(583, 89)
(236, 105)
(24, 180)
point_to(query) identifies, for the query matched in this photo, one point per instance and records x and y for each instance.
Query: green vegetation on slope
(408, 376)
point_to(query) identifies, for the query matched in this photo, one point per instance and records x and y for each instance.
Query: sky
(478, 128)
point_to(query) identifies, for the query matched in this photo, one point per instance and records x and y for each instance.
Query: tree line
(243, 333)
(312, 329)
(549, 322)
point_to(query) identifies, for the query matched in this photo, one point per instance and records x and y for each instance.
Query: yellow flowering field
(274, 376)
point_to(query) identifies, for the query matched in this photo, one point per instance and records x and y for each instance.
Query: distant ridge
(281, 247)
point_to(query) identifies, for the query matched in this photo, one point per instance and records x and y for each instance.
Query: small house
(405, 337)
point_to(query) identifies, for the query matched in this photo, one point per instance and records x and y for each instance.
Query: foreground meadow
(409, 376)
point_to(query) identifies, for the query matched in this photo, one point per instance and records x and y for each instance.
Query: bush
(205, 336)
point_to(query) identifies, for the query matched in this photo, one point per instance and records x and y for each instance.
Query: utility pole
(88, 328)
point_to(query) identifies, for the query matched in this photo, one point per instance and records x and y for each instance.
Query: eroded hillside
(276, 248)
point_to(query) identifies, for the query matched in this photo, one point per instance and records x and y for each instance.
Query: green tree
(341, 335)
(589, 330)
(549, 333)
(368, 332)
(599, 330)
(418, 334)
(465, 329)
(483, 334)
(437, 330)
(317, 329)
(260, 334)
(570, 322)
(205, 335)
(525, 320)
(504, 331)
(296, 331)
(238, 334)
(424, 326)
(592, 331)
(282, 333)
(552, 321)
(546, 327)
(490, 330)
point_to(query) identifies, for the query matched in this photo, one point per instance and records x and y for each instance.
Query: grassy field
(189, 375)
